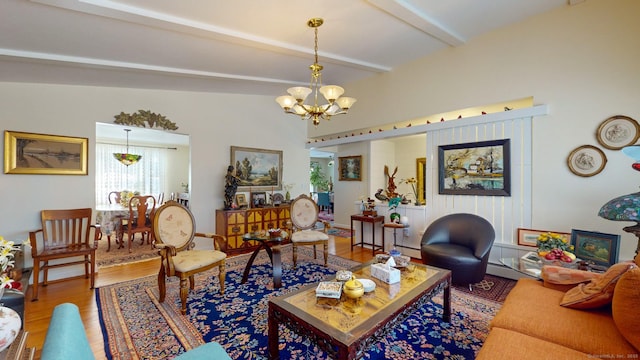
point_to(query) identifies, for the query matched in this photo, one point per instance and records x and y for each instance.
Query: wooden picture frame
(241, 200)
(350, 168)
(257, 169)
(421, 171)
(586, 161)
(476, 168)
(617, 132)
(258, 199)
(599, 248)
(529, 237)
(43, 154)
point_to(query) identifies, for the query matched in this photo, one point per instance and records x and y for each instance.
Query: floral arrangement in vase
(7, 262)
(287, 188)
(553, 246)
(412, 182)
(126, 195)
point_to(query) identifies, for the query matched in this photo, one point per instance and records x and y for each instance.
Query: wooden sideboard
(235, 223)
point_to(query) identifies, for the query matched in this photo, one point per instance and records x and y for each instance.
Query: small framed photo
(241, 200)
(600, 248)
(258, 199)
(350, 168)
(529, 237)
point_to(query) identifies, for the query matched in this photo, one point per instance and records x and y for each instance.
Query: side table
(395, 227)
(272, 246)
(373, 220)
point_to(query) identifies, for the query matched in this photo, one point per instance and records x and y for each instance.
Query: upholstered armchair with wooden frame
(304, 216)
(64, 234)
(175, 228)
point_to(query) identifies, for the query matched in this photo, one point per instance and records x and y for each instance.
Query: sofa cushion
(624, 306)
(507, 344)
(563, 279)
(598, 292)
(534, 310)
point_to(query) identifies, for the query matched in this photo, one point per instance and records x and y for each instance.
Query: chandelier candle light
(126, 158)
(294, 102)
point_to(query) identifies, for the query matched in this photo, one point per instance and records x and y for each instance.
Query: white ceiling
(234, 46)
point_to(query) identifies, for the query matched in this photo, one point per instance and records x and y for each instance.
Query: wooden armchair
(175, 228)
(304, 216)
(64, 234)
(141, 211)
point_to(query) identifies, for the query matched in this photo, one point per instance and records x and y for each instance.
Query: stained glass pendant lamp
(126, 158)
(626, 207)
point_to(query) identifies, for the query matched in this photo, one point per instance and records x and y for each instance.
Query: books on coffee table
(329, 289)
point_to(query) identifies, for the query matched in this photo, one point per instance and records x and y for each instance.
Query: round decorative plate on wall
(586, 160)
(617, 132)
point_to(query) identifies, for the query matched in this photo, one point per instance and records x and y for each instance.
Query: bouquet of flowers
(126, 195)
(412, 182)
(7, 253)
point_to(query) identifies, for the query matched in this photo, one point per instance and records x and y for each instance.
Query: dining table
(110, 217)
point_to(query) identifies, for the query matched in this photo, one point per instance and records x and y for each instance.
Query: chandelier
(126, 158)
(294, 102)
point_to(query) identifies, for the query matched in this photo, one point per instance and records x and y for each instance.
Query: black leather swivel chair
(460, 243)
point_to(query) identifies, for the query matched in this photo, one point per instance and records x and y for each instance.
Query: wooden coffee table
(346, 328)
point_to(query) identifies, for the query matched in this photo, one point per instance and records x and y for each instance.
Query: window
(147, 176)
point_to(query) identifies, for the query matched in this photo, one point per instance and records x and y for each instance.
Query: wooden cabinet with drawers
(235, 223)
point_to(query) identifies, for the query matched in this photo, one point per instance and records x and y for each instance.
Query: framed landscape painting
(350, 168)
(28, 153)
(477, 168)
(599, 248)
(257, 169)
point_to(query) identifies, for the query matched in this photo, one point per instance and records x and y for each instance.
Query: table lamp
(626, 207)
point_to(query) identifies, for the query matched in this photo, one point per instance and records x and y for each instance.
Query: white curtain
(145, 176)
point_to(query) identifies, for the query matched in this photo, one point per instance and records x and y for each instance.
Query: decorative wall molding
(144, 117)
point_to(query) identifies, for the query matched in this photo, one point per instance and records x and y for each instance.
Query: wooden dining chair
(141, 211)
(64, 234)
(114, 197)
(175, 228)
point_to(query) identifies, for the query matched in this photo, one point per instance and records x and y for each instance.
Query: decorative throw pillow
(598, 292)
(625, 306)
(565, 276)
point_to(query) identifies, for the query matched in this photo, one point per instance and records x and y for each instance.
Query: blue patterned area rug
(136, 326)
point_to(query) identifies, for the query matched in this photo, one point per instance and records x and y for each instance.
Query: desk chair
(324, 201)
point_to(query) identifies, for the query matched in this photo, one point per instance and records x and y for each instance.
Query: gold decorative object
(353, 288)
(294, 102)
(144, 117)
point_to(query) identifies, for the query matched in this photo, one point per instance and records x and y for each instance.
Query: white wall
(214, 122)
(581, 61)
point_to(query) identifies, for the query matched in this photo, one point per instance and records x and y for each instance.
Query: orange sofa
(599, 318)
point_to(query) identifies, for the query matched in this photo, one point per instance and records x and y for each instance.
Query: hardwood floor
(38, 313)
